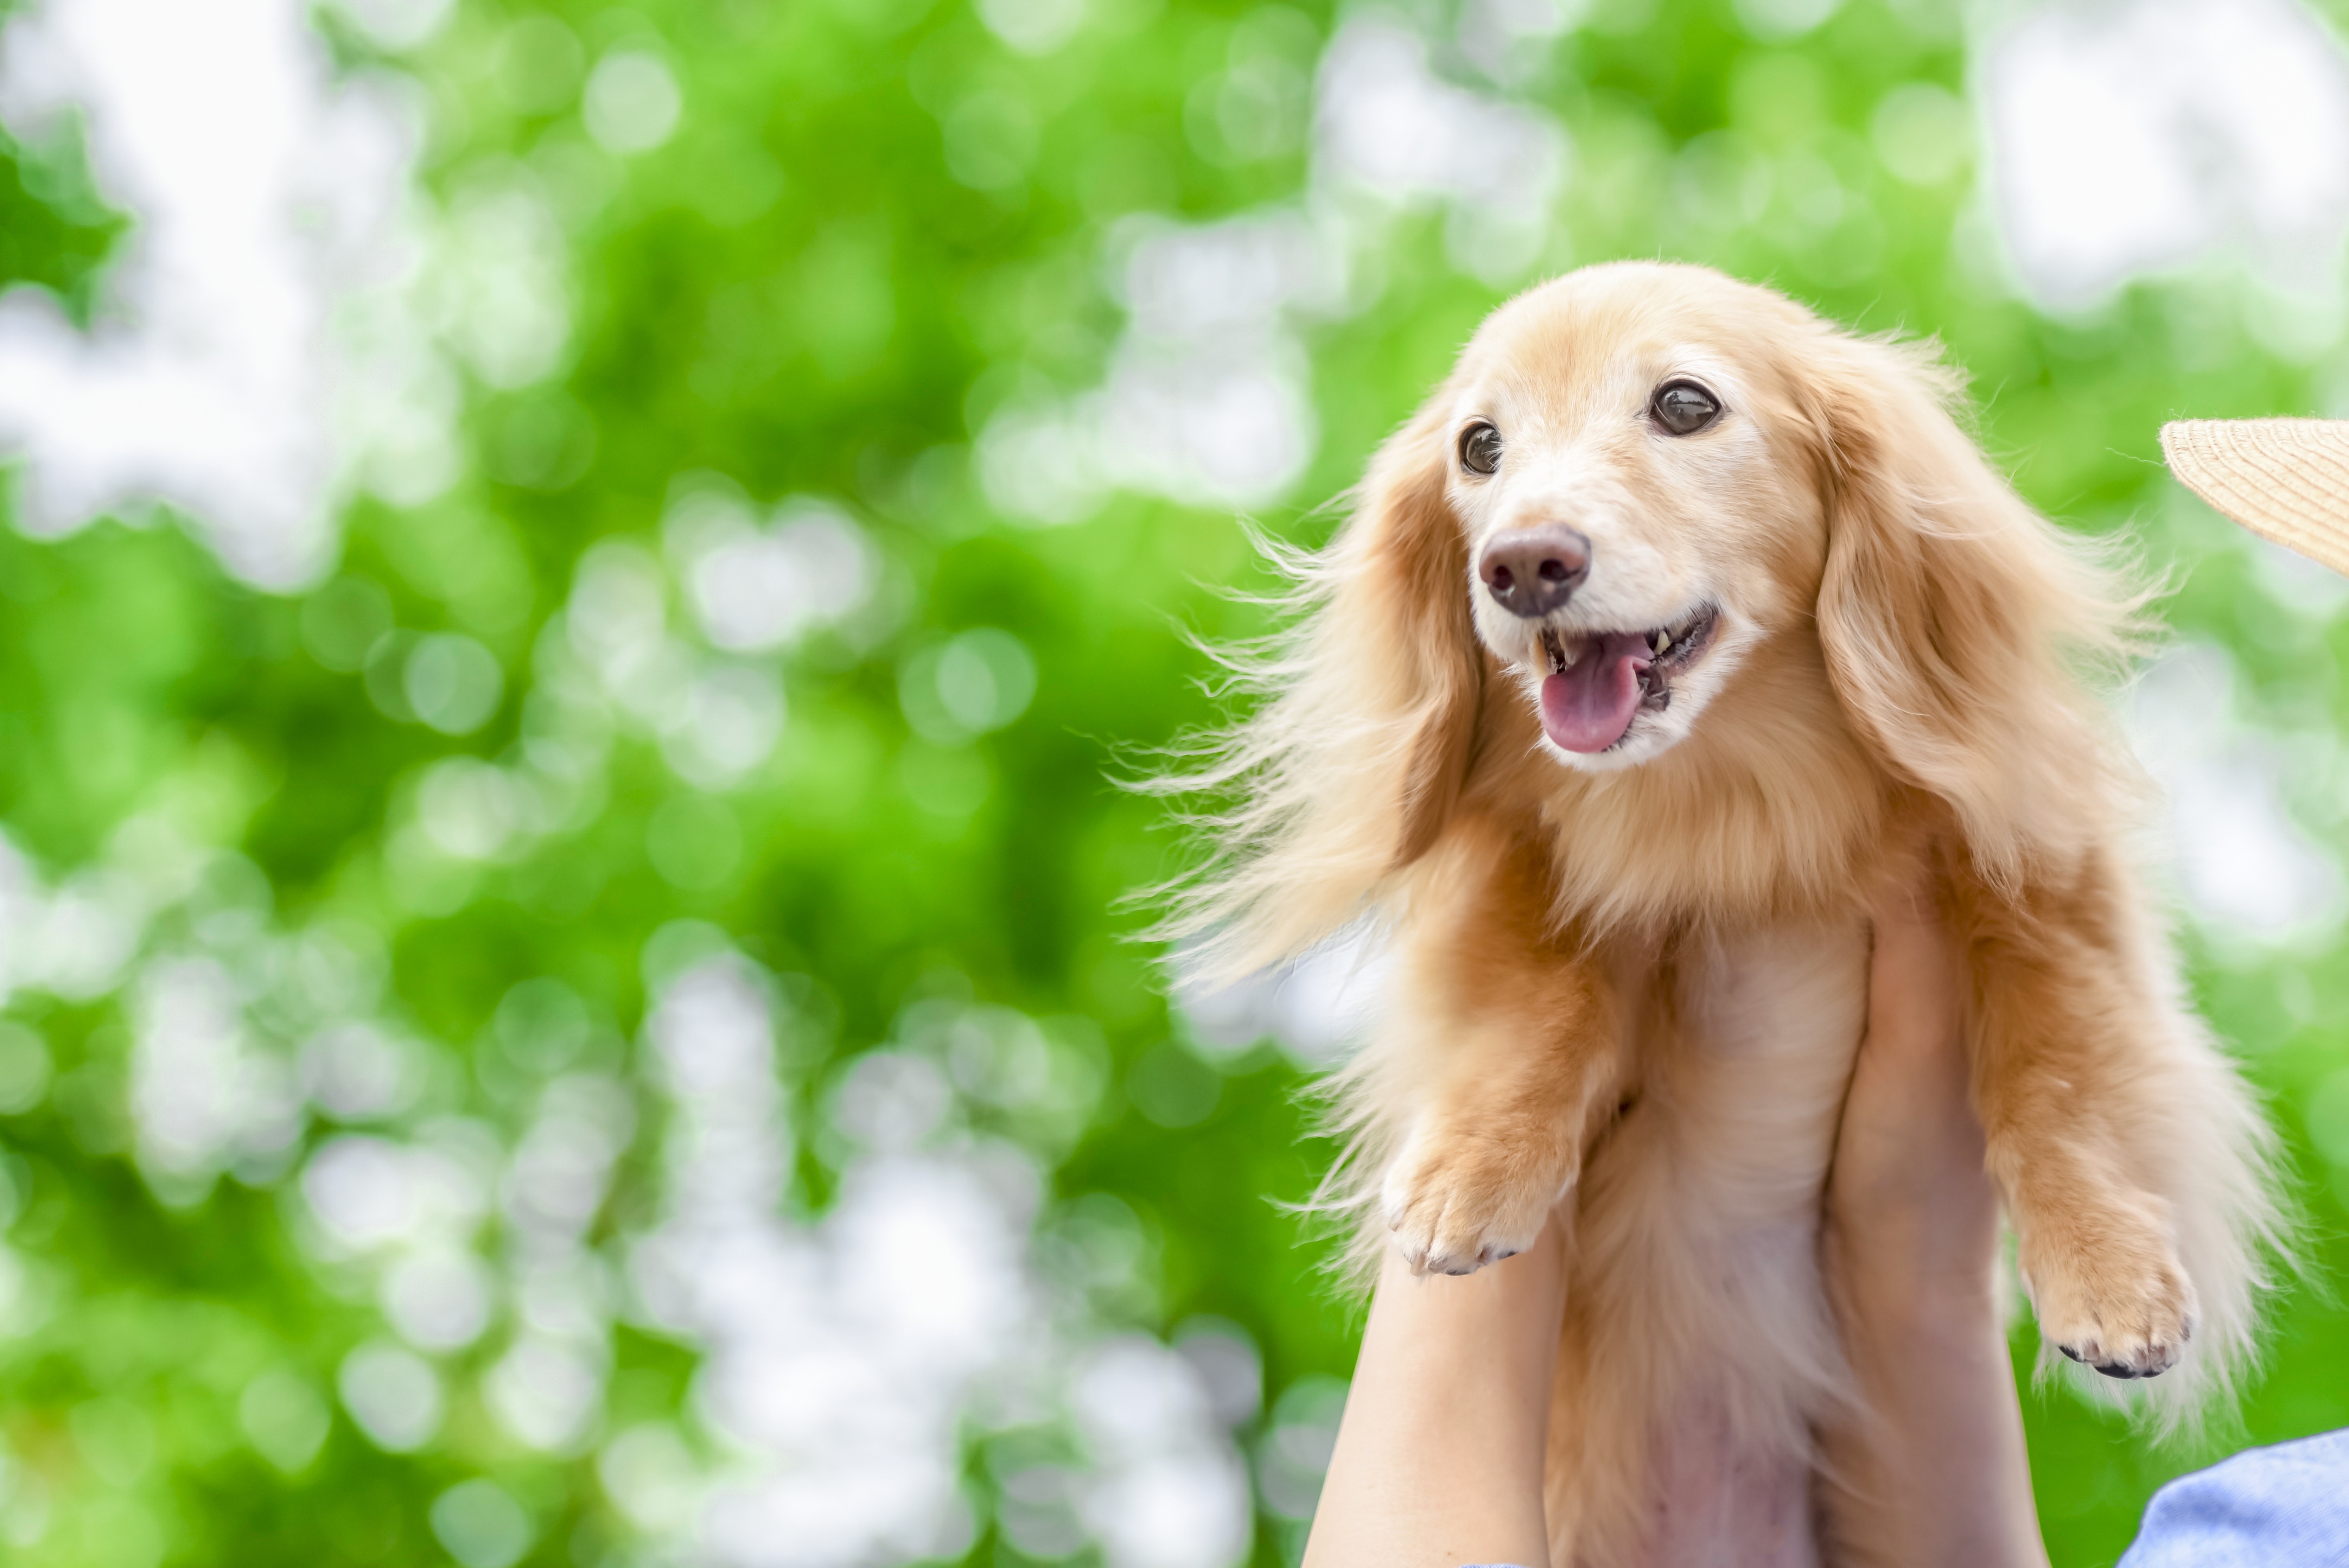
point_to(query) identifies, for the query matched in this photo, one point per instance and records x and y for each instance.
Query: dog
(1674, 623)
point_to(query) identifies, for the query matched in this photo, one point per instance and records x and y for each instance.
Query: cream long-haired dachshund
(1659, 638)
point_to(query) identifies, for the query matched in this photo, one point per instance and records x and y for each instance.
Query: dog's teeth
(1663, 641)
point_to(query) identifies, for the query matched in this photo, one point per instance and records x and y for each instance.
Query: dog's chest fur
(1703, 1317)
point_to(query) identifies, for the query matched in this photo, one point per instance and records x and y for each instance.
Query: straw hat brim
(2285, 480)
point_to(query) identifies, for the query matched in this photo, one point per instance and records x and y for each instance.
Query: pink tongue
(1588, 708)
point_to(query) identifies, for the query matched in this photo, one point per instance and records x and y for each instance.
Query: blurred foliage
(798, 292)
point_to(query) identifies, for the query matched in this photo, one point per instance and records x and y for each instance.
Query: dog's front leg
(1502, 1038)
(2067, 1068)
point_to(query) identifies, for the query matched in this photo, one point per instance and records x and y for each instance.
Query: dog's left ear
(1957, 623)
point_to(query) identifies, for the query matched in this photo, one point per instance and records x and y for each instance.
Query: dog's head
(1642, 479)
(1704, 539)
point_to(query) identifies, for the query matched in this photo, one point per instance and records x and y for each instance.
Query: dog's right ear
(1355, 760)
(1401, 637)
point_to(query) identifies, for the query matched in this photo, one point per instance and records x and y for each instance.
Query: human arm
(1439, 1454)
(1935, 1471)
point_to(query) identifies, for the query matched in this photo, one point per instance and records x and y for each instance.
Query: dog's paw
(2116, 1299)
(1458, 1201)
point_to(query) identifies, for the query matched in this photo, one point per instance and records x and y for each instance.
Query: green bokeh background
(796, 291)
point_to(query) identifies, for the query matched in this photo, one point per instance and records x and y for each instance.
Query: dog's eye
(1480, 448)
(1683, 408)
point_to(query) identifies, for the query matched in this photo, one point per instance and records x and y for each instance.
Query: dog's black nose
(1531, 571)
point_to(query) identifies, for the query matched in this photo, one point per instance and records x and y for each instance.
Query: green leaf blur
(874, 228)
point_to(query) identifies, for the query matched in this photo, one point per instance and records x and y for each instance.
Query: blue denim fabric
(2284, 1507)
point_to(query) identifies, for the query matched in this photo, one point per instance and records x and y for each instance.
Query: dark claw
(2072, 1354)
(2117, 1369)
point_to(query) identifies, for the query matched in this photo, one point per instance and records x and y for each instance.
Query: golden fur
(1639, 976)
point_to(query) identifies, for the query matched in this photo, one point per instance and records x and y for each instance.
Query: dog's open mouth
(1599, 681)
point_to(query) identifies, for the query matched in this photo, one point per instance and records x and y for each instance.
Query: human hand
(1933, 1470)
(1909, 1207)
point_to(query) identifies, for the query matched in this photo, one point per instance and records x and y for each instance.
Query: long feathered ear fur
(1365, 733)
(1957, 622)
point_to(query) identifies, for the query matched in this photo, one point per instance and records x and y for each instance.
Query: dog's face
(1638, 512)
